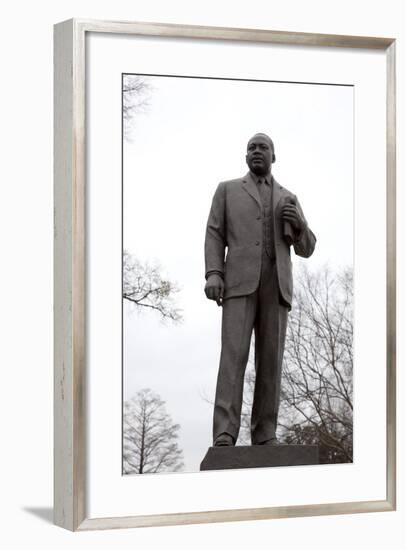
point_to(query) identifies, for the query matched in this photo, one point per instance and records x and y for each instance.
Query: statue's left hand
(291, 214)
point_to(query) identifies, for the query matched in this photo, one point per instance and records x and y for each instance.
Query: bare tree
(317, 390)
(144, 286)
(149, 436)
(136, 99)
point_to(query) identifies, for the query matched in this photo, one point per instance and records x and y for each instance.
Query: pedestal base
(259, 456)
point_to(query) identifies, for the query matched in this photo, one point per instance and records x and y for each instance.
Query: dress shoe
(273, 441)
(224, 440)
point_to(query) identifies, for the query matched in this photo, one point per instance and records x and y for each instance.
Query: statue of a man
(257, 221)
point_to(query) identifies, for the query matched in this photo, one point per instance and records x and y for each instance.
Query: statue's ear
(273, 158)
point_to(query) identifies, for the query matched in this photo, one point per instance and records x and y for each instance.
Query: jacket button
(257, 243)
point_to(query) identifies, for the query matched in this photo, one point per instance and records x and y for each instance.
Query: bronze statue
(257, 221)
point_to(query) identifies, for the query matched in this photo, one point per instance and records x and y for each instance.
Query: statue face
(259, 155)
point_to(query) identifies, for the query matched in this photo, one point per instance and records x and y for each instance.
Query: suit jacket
(235, 224)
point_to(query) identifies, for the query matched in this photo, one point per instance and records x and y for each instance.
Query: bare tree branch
(144, 287)
(149, 436)
(136, 100)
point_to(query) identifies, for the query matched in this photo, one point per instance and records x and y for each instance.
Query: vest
(268, 237)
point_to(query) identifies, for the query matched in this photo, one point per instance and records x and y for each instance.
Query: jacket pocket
(242, 266)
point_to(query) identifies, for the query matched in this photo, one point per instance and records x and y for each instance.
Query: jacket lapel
(277, 194)
(251, 188)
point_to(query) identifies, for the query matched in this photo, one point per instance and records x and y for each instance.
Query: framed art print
(154, 127)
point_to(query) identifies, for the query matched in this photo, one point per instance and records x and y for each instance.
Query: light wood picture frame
(70, 271)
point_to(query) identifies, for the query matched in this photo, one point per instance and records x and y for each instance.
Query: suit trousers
(265, 313)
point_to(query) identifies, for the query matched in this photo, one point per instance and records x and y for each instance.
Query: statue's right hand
(214, 288)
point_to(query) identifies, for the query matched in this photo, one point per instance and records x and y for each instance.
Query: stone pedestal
(259, 456)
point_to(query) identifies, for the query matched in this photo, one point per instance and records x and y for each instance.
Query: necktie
(263, 191)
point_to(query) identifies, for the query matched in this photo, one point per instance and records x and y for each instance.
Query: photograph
(237, 273)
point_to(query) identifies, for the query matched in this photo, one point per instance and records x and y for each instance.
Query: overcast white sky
(192, 136)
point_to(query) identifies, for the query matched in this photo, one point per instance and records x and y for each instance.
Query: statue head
(260, 154)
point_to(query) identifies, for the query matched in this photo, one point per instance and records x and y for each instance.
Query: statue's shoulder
(233, 182)
(230, 185)
(283, 191)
